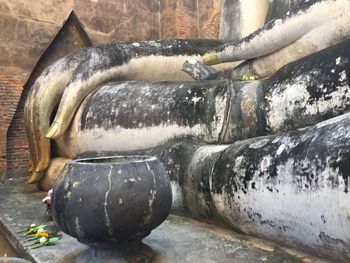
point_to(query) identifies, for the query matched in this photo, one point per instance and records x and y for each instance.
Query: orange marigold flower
(42, 234)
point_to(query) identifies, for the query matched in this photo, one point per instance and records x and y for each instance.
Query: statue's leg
(135, 115)
(123, 61)
(291, 188)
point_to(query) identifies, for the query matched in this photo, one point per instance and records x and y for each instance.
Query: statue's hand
(198, 70)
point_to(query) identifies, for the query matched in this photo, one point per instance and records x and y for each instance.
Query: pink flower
(47, 199)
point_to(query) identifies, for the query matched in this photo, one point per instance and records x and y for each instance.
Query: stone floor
(177, 240)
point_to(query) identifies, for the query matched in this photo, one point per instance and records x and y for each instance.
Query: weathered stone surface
(69, 80)
(291, 188)
(136, 115)
(288, 187)
(149, 114)
(302, 93)
(176, 240)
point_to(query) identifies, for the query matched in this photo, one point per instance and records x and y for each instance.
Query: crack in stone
(108, 222)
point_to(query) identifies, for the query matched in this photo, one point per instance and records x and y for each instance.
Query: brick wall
(10, 93)
(209, 14)
(187, 19)
(190, 19)
(17, 144)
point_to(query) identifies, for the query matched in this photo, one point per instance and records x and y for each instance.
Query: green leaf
(52, 240)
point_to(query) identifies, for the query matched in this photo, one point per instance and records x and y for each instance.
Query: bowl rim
(128, 159)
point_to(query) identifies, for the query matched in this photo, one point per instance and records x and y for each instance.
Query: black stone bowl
(108, 201)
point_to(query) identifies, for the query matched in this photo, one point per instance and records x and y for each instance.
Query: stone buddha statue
(135, 98)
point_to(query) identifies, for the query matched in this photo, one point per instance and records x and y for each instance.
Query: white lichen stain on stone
(196, 99)
(283, 105)
(338, 101)
(280, 149)
(258, 144)
(219, 118)
(78, 228)
(342, 76)
(293, 200)
(108, 222)
(238, 162)
(265, 163)
(178, 197)
(152, 196)
(99, 139)
(276, 140)
(287, 141)
(337, 61)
